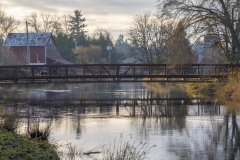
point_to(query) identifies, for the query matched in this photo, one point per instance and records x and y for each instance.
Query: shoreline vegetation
(227, 93)
(14, 146)
(35, 144)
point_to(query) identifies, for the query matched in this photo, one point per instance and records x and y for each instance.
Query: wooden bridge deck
(102, 73)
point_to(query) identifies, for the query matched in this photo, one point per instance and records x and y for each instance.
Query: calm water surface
(92, 115)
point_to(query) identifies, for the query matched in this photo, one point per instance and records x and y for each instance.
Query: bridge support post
(117, 72)
(198, 109)
(101, 107)
(150, 109)
(117, 108)
(133, 73)
(32, 69)
(150, 72)
(100, 72)
(181, 110)
(15, 75)
(84, 107)
(170, 108)
(219, 109)
(66, 70)
(133, 108)
(84, 70)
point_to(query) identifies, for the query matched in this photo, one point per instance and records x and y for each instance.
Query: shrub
(10, 122)
(39, 132)
(14, 146)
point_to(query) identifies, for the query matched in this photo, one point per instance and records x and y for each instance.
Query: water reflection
(179, 126)
(149, 107)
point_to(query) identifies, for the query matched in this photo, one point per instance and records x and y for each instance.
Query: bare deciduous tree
(8, 57)
(33, 21)
(65, 26)
(46, 18)
(7, 24)
(51, 23)
(148, 38)
(220, 15)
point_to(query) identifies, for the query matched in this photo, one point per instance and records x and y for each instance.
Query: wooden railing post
(84, 70)
(32, 68)
(15, 74)
(117, 72)
(66, 72)
(100, 70)
(133, 73)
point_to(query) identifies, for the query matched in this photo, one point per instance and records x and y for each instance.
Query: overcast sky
(114, 16)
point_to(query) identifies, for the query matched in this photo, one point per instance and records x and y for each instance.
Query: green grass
(14, 146)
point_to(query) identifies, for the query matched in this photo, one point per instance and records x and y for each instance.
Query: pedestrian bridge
(106, 73)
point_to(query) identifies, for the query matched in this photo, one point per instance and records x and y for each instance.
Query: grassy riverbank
(33, 145)
(17, 147)
(227, 92)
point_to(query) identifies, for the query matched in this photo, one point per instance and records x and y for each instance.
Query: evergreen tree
(65, 45)
(103, 38)
(76, 27)
(122, 47)
(179, 46)
(76, 24)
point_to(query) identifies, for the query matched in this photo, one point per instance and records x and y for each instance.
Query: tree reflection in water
(197, 136)
(221, 141)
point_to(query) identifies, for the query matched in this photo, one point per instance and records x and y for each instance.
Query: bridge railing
(114, 73)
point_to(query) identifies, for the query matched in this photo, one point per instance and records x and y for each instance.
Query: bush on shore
(9, 122)
(17, 147)
(201, 89)
(231, 90)
(14, 146)
(227, 92)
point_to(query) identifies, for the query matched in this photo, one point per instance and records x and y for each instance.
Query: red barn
(43, 49)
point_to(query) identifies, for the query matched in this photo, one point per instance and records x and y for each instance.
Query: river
(90, 116)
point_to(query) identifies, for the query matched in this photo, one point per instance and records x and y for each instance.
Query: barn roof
(20, 39)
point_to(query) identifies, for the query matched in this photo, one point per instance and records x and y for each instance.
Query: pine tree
(76, 27)
(178, 46)
(76, 22)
